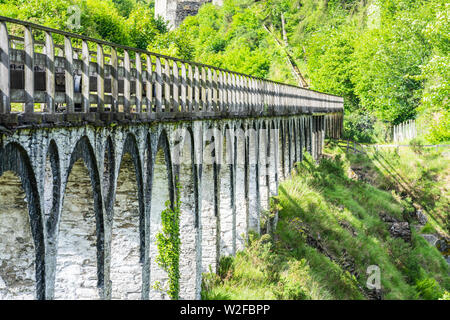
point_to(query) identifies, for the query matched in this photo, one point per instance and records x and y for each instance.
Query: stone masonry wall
(80, 213)
(17, 251)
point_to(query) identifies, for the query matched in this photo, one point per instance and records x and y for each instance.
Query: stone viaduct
(94, 139)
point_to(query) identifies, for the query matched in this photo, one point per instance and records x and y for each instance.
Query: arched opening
(17, 251)
(22, 271)
(227, 217)
(79, 259)
(189, 266)
(126, 267)
(241, 188)
(160, 195)
(209, 216)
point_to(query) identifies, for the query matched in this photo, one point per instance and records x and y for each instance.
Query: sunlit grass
(343, 214)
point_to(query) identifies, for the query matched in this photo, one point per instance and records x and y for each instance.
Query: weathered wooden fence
(51, 72)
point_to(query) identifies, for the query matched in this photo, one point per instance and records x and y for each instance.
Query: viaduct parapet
(94, 139)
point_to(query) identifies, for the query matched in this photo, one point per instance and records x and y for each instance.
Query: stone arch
(292, 149)
(296, 152)
(209, 222)
(52, 184)
(147, 178)
(227, 215)
(109, 164)
(309, 134)
(22, 266)
(241, 201)
(187, 179)
(273, 157)
(79, 267)
(301, 135)
(127, 249)
(281, 150)
(287, 147)
(162, 190)
(253, 183)
(264, 162)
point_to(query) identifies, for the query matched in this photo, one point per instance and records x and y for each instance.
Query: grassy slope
(330, 231)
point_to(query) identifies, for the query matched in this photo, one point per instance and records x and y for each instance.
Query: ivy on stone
(168, 243)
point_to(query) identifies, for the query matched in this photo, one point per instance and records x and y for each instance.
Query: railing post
(100, 79)
(190, 89)
(204, 104)
(138, 82)
(214, 90)
(158, 84)
(149, 85)
(176, 75)
(5, 92)
(29, 70)
(126, 82)
(184, 106)
(114, 80)
(49, 73)
(226, 92)
(220, 90)
(166, 79)
(85, 103)
(209, 89)
(197, 106)
(233, 103)
(68, 53)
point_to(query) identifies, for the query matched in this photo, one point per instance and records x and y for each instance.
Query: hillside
(336, 219)
(388, 59)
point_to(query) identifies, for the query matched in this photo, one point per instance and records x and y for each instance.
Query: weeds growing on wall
(168, 243)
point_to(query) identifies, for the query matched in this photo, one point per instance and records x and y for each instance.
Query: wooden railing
(51, 72)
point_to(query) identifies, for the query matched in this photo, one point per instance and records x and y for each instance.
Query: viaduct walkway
(96, 137)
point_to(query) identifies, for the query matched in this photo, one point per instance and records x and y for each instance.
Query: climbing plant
(168, 243)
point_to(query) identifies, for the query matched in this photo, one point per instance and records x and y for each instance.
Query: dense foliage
(388, 58)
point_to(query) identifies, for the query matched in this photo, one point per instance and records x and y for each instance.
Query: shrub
(429, 289)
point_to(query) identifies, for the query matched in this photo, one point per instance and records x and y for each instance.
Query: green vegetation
(168, 244)
(332, 227)
(127, 22)
(389, 59)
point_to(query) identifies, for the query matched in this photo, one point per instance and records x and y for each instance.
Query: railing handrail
(159, 55)
(59, 80)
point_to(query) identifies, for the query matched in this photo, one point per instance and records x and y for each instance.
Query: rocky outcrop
(397, 229)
